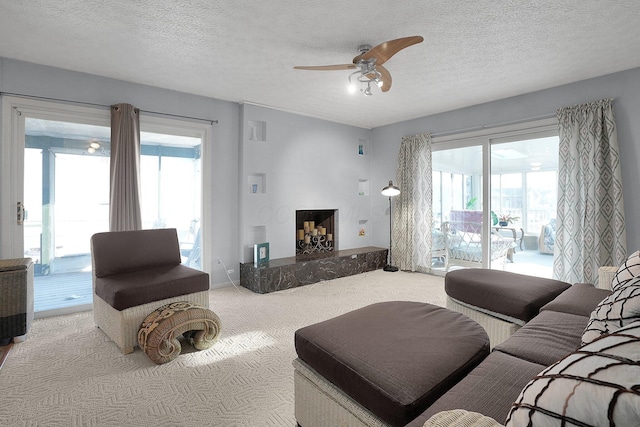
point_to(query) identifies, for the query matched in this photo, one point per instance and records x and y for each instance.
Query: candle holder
(316, 244)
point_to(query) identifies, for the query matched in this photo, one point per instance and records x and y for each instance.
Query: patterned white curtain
(124, 189)
(590, 225)
(411, 231)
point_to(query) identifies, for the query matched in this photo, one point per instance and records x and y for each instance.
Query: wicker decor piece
(159, 332)
(498, 326)
(319, 403)
(16, 298)
(122, 326)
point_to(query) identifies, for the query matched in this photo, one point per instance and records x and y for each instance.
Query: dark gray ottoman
(500, 301)
(392, 358)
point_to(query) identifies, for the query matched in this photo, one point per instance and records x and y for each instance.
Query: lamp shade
(390, 190)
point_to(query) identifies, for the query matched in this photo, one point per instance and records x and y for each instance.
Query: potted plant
(506, 219)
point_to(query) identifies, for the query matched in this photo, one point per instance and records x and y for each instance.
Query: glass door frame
(14, 111)
(485, 138)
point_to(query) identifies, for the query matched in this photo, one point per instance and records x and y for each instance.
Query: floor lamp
(390, 190)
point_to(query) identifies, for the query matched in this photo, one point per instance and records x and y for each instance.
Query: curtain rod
(494, 125)
(105, 106)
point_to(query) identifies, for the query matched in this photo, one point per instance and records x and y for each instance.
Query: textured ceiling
(474, 51)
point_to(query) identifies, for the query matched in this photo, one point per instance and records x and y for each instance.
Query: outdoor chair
(464, 234)
(547, 239)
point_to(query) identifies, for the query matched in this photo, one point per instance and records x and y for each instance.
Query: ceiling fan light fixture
(365, 64)
(352, 87)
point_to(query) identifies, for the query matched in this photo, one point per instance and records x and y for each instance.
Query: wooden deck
(62, 293)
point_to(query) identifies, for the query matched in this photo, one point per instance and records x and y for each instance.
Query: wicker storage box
(16, 297)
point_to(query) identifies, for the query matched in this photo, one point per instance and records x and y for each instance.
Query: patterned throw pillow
(615, 311)
(597, 385)
(627, 271)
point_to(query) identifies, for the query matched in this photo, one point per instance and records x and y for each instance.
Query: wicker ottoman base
(159, 332)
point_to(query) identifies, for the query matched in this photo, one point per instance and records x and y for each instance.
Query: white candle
(329, 237)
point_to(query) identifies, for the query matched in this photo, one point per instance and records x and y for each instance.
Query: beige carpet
(68, 373)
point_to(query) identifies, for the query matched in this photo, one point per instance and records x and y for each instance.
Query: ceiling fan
(368, 64)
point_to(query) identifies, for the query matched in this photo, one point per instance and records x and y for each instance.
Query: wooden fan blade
(385, 77)
(386, 50)
(328, 67)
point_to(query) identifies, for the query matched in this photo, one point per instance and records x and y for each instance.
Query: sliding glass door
(66, 201)
(524, 177)
(494, 199)
(457, 207)
(170, 171)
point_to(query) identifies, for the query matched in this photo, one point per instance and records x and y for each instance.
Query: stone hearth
(287, 273)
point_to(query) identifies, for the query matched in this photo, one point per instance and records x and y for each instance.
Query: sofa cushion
(627, 271)
(596, 385)
(489, 389)
(618, 309)
(547, 338)
(579, 299)
(511, 294)
(394, 358)
(122, 291)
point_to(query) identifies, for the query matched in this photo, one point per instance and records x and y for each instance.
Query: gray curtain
(412, 219)
(590, 225)
(124, 191)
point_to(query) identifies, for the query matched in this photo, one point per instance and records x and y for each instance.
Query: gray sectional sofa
(495, 384)
(575, 363)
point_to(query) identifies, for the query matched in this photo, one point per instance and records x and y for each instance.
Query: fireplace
(316, 232)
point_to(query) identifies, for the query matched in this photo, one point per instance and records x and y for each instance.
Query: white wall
(308, 164)
(623, 86)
